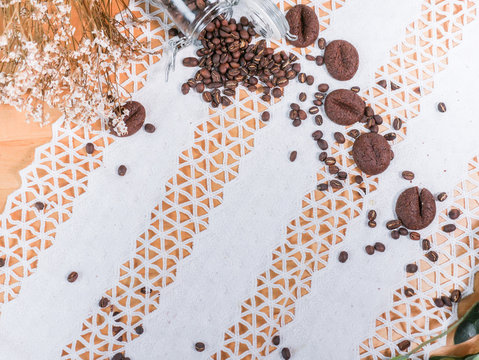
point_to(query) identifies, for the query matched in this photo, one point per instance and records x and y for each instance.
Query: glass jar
(192, 16)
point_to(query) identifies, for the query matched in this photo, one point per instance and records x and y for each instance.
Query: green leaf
(468, 357)
(469, 327)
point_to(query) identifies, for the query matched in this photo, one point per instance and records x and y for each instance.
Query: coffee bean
(103, 303)
(322, 187)
(393, 224)
(276, 340)
(341, 59)
(310, 80)
(438, 302)
(190, 62)
(395, 234)
(295, 107)
(358, 179)
(372, 215)
(449, 228)
(318, 102)
(408, 175)
(2, 262)
(185, 88)
(322, 43)
(200, 347)
(323, 156)
(411, 268)
(455, 295)
(415, 236)
(432, 256)
(303, 22)
(116, 330)
(207, 97)
(442, 197)
(426, 245)
(72, 277)
(342, 175)
(343, 257)
(302, 115)
(319, 60)
(339, 138)
(323, 87)
(318, 119)
(277, 93)
(122, 170)
(397, 124)
(90, 148)
(286, 353)
(335, 184)
(394, 86)
(118, 356)
(265, 116)
(323, 144)
(368, 111)
(302, 78)
(310, 57)
(379, 247)
(409, 292)
(356, 89)
(319, 96)
(294, 114)
(390, 136)
(139, 330)
(447, 302)
(296, 123)
(382, 83)
(150, 128)
(302, 97)
(354, 133)
(293, 155)
(403, 231)
(318, 134)
(404, 345)
(378, 119)
(333, 169)
(313, 110)
(454, 214)
(39, 205)
(369, 249)
(372, 224)
(441, 107)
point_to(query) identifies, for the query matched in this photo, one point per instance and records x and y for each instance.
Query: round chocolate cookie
(372, 153)
(133, 121)
(415, 209)
(303, 23)
(341, 59)
(344, 107)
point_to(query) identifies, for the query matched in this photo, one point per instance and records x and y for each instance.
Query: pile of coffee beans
(228, 59)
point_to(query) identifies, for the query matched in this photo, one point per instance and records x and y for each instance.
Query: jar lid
(268, 19)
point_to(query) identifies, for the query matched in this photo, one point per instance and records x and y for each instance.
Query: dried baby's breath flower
(45, 61)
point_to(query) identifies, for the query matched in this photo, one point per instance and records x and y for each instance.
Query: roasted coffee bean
(354, 133)
(438, 302)
(323, 144)
(372, 224)
(266, 98)
(432, 256)
(310, 80)
(454, 214)
(339, 137)
(318, 102)
(330, 161)
(442, 197)
(190, 62)
(265, 116)
(207, 97)
(319, 60)
(358, 179)
(379, 247)
(286, 353)
(455, 295)
(356, 89)
(404, 345)
(374, 129)
(390, 136)
(322, 43)
(341, 59)
(302, 97)
(200, 347)
(395, 234)
(393, 224)
(39, 205)
(323, 88)
(407, 175)
(139, 330)
(103, 303)
(294, 106)
(409, 292)
(319, 96)
(277, 93)
(302, 115)
(322, 187)
(383, 83)
(333, 169)
(369, 249)
(118, 356)
(335, 184)
(185, 88)
(276, 340)
(313, 110)
(318, 134)
(294, 114)
(372, 214)
(323, 156)
(343, 257)
(449, 228)
(415, 236)
(403, 231)
(310, 57)
(411, 268)
(446, 300)
(150, 128)
(122, 170)
(368, 111)
(293, 156)
(296, 122)
(394, 86)
(426, 245)
(441, 107)
(72, 277)
(378, 119)
(397, 124)
(2, 262)
(342, 175)
(318, 119)
(89, 148)
(302, 78)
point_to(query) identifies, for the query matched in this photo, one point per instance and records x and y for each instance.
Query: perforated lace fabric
(203, 171)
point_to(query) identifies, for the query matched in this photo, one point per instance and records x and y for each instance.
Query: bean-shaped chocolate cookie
(344, 107)
(303, 23)
(341, 59)
(372, 153)
(133, 121)
(415, 209)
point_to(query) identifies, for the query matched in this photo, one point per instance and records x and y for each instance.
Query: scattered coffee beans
(379, 247)
(372, 215)
(426, 245)
(454, 214)
(403, 231)
(318, 119)
(449, 228)
(150, 128)
(139, 330)
(2, 262)
(286, 353)
(438, 302)
(409, 292)
(72, 277)
(415, 236)
(395, 234)
(372, 224)
(339, 138)
(390, 136)
(432, 256)
(404, 345)
(293, 155)
(265, 116)
(343, 256)
(303, 97)
(369, 249)
(383, 83)
(103, 303)
(276, 340)
(358, 179)
(394, 86)
(335, 184)
(441, 107)
(89, 148)
(122, 170)
(411, 268)
(356, 89)
(393, 224)
(442, 197)
(397, 124)
(39, 205)
(446, 300)
(200, 347)
(408, 175)
(322, 43)
(455, 295)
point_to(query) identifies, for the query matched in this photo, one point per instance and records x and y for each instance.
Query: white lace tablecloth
(232, 238)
